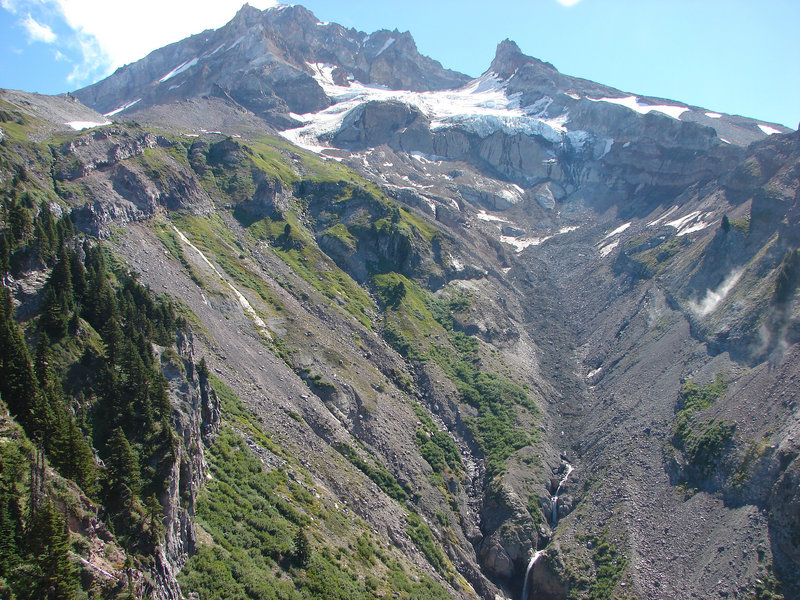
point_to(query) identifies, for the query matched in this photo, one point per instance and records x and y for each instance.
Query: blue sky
(733, 56)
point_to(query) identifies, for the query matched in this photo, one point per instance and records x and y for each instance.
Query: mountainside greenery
(80, 377)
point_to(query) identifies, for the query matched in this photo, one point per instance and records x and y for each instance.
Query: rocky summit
(292, 311)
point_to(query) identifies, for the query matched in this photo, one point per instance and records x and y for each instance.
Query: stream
(553, 523)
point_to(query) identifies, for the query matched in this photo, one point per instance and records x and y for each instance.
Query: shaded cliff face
(451, 293)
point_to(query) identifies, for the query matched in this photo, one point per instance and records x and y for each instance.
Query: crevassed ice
(481, 106)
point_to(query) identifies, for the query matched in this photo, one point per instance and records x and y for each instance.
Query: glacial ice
(481, 107)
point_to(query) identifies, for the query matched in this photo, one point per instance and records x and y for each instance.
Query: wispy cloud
(568, 2)
(100, 36)
(113, 34)
(38, 32)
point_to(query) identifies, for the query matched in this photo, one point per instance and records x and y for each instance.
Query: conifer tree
(5, 255)
(20, 222)
(18, 385)
(122, 466)
(77, 276)
(48, 540)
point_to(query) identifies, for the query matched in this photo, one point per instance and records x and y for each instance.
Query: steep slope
(263, 62)
(466, 325)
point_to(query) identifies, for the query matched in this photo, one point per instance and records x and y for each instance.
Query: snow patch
(632, 102)
(607, 249)
(388, 43)
(572, 95)
(78, 125)
(236, 43)
(484, 216)
(179, 69)
(607, 148)
(724, 140)
(713, 298)
(690, 223)
(596, 371)
(425, 158)
(662, 217)
(767, 129)
(243, 302)
(713, 115)
(215, 51)
(121, 108)
(520, 243)
(619, 229)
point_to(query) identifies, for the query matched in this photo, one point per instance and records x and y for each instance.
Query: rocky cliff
(454, 324)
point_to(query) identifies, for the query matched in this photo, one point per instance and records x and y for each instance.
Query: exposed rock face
(597, 249)
(196, 419)
(261, 61)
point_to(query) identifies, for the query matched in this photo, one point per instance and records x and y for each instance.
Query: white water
(561, 483)
(532, 562)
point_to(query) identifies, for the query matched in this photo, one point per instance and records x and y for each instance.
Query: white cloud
(568, 2)
(110, 34)
(126, 32)
(38, 32)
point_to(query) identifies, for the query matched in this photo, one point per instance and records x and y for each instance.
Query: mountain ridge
(454, 328)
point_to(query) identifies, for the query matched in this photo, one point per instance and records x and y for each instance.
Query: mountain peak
(508, 58)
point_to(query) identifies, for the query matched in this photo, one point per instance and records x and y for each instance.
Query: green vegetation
(438, 449)
(652, 254)
(703, 442)
(292, 244)
(262, 546)
(420, 327)
(695, 398)
(211, 236)
(608, 563)
(535, 510)
(788, 277)
(377, 473)
(89, 383)
(742, 225)
(767, 587)
(424, 540)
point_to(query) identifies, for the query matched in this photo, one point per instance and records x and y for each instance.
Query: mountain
(517, 335)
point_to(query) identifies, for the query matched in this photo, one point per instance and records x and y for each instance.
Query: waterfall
(554, 500)
(532, 562)
(554, 519)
